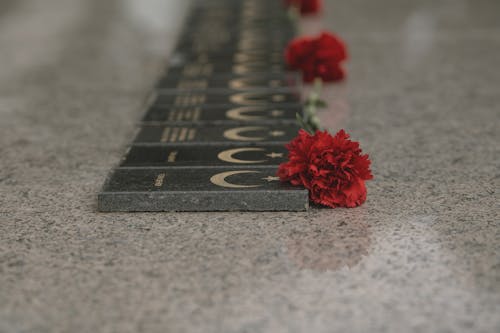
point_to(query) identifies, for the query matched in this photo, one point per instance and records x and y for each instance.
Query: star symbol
(274, 155)
(271, 178)
(277, 113)
(276, 133)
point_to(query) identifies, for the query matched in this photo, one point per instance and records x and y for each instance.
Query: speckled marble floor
(422, 255)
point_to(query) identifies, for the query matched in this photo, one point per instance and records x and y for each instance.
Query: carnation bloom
(318, 57)
(332, 168)
(305, 6)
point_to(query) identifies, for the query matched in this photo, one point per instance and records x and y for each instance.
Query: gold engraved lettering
(159, 180)
(172, 156)
(183, 134)
(165, 134)
(191, 134)
(190, 100)
(174, 135)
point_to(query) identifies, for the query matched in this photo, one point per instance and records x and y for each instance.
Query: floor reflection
(323, 244)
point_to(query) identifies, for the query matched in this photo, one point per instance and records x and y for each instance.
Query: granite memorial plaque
(215, 132)
(180, 59)
(197, 189)
(251, 81)
(228, 67)
(215, 135)
(223, 114)
(256, 156)
(229, 98)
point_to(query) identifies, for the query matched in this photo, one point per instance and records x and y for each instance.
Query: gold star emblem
(277, 113)
(271, 178)
(276, 133)
(274, 155)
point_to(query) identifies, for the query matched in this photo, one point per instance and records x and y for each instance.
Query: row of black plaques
(214, 132)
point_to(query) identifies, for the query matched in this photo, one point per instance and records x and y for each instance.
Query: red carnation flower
(317, 57)
(306, 6)
(332, 168)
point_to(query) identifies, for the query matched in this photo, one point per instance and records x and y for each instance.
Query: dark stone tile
(223, 114)
(205, 155)
(248, 67)
(229, 81)
(180, 59)
(215, 135)
(211, 189)
(231, 98)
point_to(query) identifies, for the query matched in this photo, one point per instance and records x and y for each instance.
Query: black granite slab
(256, 156)
(257, 38)
(216, 129)
(228, 67)
(215, 135)
(180, 59)
(245, 46)
(223, 33)
(251, 81)
(229, 98)
(223, 114)
(188, 189)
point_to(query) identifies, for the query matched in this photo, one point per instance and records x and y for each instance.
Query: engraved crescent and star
(220, 179)
(228, 155)
(242, 113)
(236, 134)
(251, 98)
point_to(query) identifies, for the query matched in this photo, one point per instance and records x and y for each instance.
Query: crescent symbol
(234, 133)
(244, 99)
(227, 155)
(220, 179)
(238, 114)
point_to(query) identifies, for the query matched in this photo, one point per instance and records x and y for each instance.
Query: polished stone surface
(202, 189)
(422, 255)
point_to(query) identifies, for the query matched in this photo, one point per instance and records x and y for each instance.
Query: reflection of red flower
(306, 6)
(332, 168)
(317, 57)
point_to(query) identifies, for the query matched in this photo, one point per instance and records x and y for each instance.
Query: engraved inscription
(189, 114)
(160, 179)
(190, 100)
(172, 156)
(177, 134)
